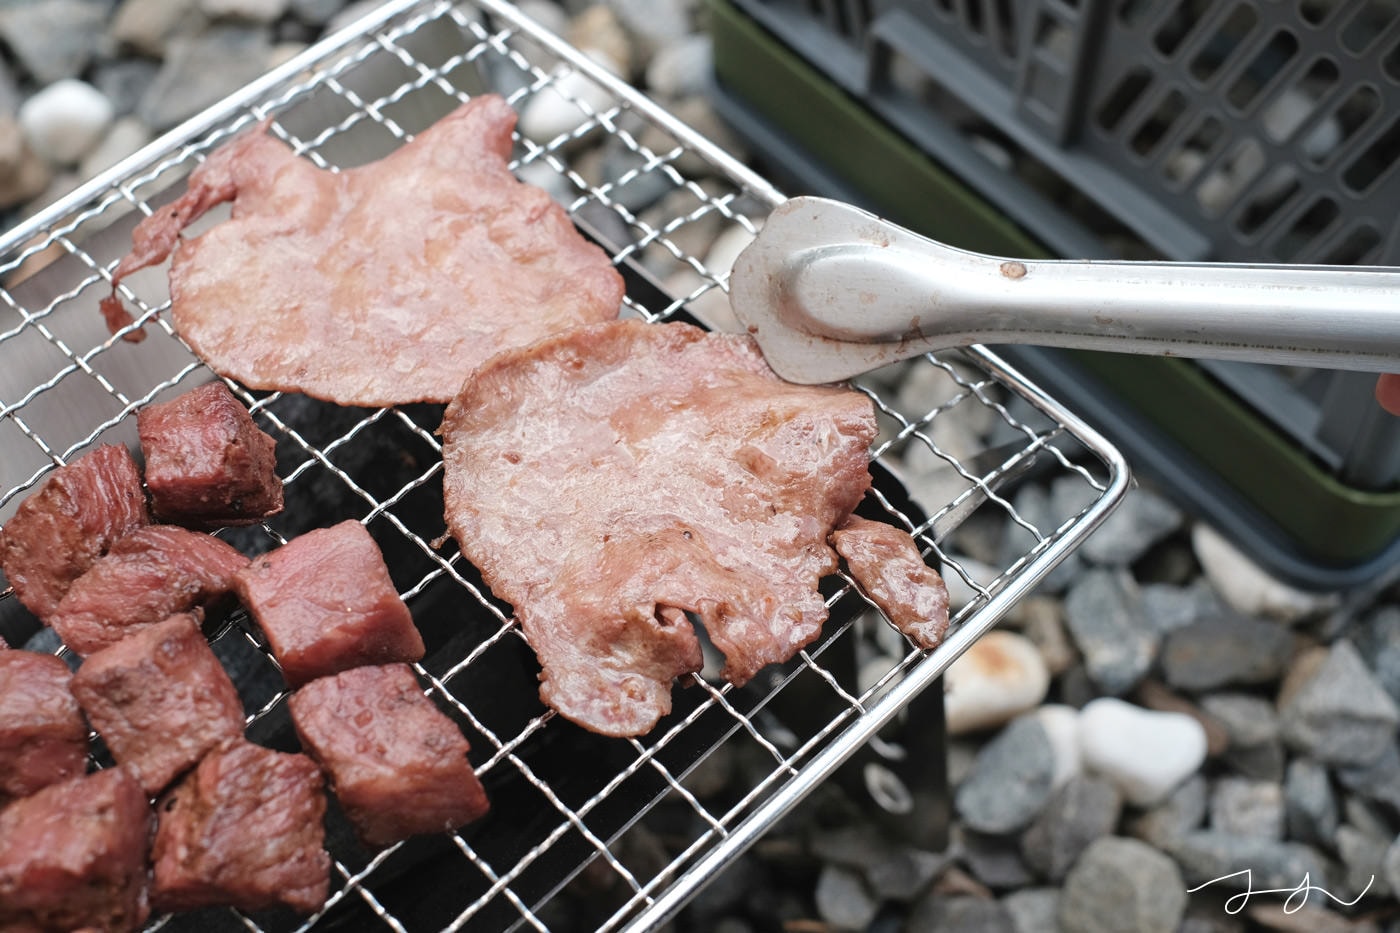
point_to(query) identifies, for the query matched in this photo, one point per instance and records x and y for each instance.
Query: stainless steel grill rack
(563, 800)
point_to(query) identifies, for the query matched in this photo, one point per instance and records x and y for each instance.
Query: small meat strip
(73, 856)
(397, 764)
(376, 285)
(147, 576)
(160, 699)
(243, 829)
(43, 739)
(609, 481)
(326, 603)
(62, 529)
(887, 564)
(207, 464)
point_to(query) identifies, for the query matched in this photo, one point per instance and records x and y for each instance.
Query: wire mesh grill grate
(636, 822)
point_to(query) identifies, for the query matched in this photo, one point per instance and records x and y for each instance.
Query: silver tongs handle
(831, 291)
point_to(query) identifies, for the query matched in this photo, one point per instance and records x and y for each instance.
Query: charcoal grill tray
(566, 804)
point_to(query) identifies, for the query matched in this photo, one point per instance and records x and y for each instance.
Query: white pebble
(1061, 724)
(1000, 677)
(565, 104)
(257, 11)
(681, 69)
(65, 120)
(1146, 753)
(1246, 587)
(960, 592)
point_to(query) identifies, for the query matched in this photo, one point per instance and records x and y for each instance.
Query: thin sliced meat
(62, 529)
(43, 739)
(148, 575)
(609, 481)
(376, 285)
(890, 570)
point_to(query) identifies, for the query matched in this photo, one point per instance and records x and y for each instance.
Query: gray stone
(55, 39)
(1143, 519)
(201, 70)
(905, 873)
(1243, 807)
(1378, 781)
(1281, 916)
(1182, 812)
(9, 92)
(1255, 747)
(1033, 910)
(843, 900)
(1377, 637)
(125, 81)
(1038, 506)
(633, 182)
(1042, 620)
(1363, 859)
(1011, 779)
(1122, 885)
(255, 11)
(1168, 607)
(1209, 856)
(24, 174)
(1332, 709)
(1310, 804)
(1224, 650)
(1103, 610)
(1082, 810)
(147, 26)
(1209, 918)
(994, 860)
(315, 12)
(961, 913)
(1390, 865)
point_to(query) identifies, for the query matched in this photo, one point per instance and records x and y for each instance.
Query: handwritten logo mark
(1297, 897)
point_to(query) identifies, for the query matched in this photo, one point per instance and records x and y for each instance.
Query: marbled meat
(397, 764)
(326, 603)
(74, 856)
(376, 285)
(147, 576)
(608, 481)
(207, 464)
(160, 699)
(59, 531)
(243, 829)
(43, 739)
(887, 565)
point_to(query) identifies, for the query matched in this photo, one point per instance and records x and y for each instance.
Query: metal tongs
(831, 291)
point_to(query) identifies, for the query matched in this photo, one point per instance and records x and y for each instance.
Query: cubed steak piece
(73, 856)
(62, 529)
(887, 565)
(243, 829)
(207, 463)
(397, 764)
(148, 575)
(326, 604)
(160, 699)
(43, 739)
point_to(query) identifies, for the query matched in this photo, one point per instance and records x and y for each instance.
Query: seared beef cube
(397, 764)
(147, 576)
(58, 532)
(160, 699)
(243, 829)
(207, 463)
(73, 856)
(326, 604)
(43, 739)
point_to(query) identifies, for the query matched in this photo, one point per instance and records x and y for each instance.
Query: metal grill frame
(496, 30)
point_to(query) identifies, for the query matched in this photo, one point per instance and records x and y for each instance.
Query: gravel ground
(1160, 715)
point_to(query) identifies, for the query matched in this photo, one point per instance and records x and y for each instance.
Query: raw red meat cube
(59, 531)
(207, 463)
(160, 699)
(148, 575)
(43, 739)
(243, 829)
(397, 764)
(73, 856)
(326, 603)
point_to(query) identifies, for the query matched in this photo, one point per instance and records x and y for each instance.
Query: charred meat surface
(62, 529)
(887, 565)
(609, 481)
(147, 576)
(74, 856)
(207, 464)
(160, 700)
(397, 764)
(243, 829)
(326, 604)
(43, 739)
(376, 285)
